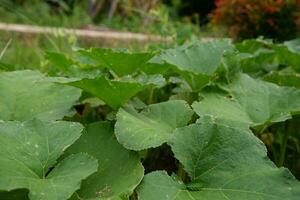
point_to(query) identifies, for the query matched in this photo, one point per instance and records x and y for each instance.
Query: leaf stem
(283, 145)
(181, 173)
(150, 100)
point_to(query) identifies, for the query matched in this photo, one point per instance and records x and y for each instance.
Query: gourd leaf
(120, 62)
(29, 94)
(28, 156)
(197, 63)
(18, 194)
(115, 92)
(289, 79)
(153, 126)
(120, 170)
(250, 102)
(62, 65)
(224, 163)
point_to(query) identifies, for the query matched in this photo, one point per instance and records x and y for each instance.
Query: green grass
(39, 13)
(27, 51)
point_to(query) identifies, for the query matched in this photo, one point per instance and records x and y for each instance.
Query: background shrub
(278, 19)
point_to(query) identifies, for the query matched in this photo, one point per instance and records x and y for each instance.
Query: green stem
(114, 74)
(150, 100)
(133, 196)
(181, 173)
(283, 145)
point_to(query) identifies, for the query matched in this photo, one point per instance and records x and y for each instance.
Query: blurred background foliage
(239, 19)
(277, 19)
(182, 20)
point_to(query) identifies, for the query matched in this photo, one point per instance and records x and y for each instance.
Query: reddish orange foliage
(250, 18)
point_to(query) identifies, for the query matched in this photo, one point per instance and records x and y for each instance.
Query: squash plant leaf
(290, 79)
(28, 156)
(288, 55)
(153, 126)
(120, 170)
(28, 94)
(59, 60)
(114, 92)
(197, 63)
(159, 185)
(223, 163)
(251, 102)
(121, 62)
(257, 57)
(18, 194)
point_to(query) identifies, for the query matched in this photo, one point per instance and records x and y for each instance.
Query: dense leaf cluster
(173, 124)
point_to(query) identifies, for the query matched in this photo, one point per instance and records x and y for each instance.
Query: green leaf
(259, 63)
(63, 65)
(156, 80)
(199, 62)
(114, 93)
(288, 56)
(251, 46)
(28, 94)
(19, 194)
(250, 102)
(6, 67)
(59, 60)
(284, 79)
(223, 163)
(158, 185)
(28, 155)
(257, 56)
(293, 45)
(153, 126)
(121, 62)
(120, 170)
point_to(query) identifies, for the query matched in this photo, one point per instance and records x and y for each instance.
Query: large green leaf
(223, 163)
(289, 79)
(28, 94)
(250, 102)
(153, 126)
(259, 57)
(18, 194)
(288, 56)
(120, 170)
(121, 62)
(28, 154)
(62, 65)
(59, 60)
(115, 92)
(261, 62)
(251, 46)
(197, 63)
(293, 45)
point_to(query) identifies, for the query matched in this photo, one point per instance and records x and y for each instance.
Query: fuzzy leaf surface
(120, 170)
(223, 163)
(250, 102)
(121, 62)
(197, 63)
(28, 156)
(153, 126)
(114, 93)
(29, 94)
